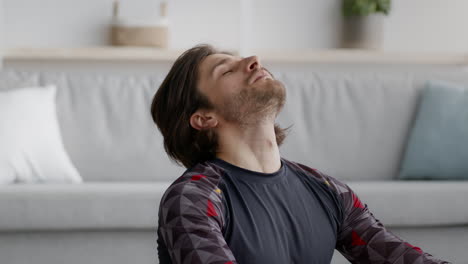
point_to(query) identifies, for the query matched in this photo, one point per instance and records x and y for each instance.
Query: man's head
(206, 89)
(241, 91)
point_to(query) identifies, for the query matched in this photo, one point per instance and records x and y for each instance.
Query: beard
(255, 104)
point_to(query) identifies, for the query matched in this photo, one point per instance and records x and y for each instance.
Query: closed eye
(227, 72)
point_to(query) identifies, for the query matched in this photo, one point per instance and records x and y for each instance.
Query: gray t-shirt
(219, 213)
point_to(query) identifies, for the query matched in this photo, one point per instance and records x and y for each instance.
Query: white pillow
(31, 146)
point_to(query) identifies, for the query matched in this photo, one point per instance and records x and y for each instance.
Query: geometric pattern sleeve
(191, 220)
(364, 239)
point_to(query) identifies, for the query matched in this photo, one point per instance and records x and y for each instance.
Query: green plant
(365, 7)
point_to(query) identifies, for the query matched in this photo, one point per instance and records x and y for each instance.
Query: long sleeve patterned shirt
(218, 213)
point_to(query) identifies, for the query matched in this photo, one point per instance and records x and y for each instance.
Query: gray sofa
(351, 125)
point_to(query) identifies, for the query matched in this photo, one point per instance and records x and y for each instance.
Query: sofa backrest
(106, 124)
(352, 126)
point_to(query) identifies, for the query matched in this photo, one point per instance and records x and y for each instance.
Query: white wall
(1, 34)
(428, 25)
(413, 25)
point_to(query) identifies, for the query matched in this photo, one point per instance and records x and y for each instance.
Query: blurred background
(376, 93)
(417, 25)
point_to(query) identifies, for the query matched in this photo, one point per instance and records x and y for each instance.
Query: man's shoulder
(318, 174)
(199, 180)
(297, 166)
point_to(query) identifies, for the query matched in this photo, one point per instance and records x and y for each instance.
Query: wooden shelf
(365, 56)
(305, 56)
(93, 54)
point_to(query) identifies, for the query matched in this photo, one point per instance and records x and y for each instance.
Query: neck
(253, 148)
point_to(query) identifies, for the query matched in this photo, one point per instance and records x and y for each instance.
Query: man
(240, 201)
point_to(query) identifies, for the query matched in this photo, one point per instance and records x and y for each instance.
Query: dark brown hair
(176, 100)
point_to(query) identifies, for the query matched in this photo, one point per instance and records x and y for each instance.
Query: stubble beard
(254, 105)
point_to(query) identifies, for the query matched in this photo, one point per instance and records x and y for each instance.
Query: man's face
(242, 91)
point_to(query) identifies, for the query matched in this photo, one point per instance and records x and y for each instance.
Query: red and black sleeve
(190, 223)
(362, 238)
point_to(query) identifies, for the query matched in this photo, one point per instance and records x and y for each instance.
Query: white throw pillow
(31, 146)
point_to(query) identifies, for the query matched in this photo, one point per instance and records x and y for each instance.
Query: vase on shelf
(363, 32)
(147, 32)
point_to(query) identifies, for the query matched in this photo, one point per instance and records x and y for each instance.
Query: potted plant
(363, 23)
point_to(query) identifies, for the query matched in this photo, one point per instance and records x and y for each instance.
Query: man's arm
(190, 223)
(364, 239)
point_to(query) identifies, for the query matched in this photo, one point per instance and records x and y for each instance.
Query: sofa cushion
(438, 145)
(105, 123)
(126, 205)
(97, 205)
(14, 79)
(353, 125)
(31, 143)
(350, 125)
(108, 129)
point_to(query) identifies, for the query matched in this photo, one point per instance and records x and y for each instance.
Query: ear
(203, 120)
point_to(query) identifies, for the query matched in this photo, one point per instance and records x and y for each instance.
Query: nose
(253, 63)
